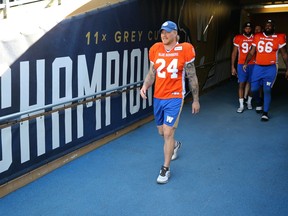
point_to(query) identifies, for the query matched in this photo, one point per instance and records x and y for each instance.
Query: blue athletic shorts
(264, 75)
(245, 76)
(167, 111)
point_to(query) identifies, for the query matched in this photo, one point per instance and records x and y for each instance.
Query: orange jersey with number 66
(267, 47)
(169, 66)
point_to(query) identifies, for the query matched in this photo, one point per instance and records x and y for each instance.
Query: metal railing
(12, 119)
(5, 5)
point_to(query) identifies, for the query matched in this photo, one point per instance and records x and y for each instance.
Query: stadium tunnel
(70, 82)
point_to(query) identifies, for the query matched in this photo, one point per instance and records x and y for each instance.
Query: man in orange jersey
(242, 44)
(169, 61)
(266, 46)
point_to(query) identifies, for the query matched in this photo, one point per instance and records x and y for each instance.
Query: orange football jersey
(267, 47)
(243, 43)
(170, 75)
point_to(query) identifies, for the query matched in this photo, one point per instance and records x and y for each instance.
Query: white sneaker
(259, 109)
(176, 148)
(265, 117)
(249, 106)
(164, 175)
(240, 109)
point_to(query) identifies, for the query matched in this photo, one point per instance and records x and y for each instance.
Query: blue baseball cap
(168, 26)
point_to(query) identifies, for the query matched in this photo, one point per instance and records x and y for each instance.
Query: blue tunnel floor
(229, 164)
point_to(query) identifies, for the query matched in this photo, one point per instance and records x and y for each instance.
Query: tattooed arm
(149, 80)
(193, 85)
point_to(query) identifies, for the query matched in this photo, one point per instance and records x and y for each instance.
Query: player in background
(266, 46)
(169, 61)
(242, 44)
(257, 29)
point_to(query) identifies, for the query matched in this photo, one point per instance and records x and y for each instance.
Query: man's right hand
(244, 67)
(233, 71)
(143, 92)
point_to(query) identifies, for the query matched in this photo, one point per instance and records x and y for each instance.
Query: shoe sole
(264, 119)
(164, 182)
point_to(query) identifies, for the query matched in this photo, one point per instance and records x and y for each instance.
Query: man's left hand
(195, 107)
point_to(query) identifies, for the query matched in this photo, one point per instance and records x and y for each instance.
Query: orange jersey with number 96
(169, 66)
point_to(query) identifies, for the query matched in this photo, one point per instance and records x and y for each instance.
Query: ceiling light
(276, 6)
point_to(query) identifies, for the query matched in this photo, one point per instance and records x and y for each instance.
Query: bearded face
(247, 31)
(269, 29)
